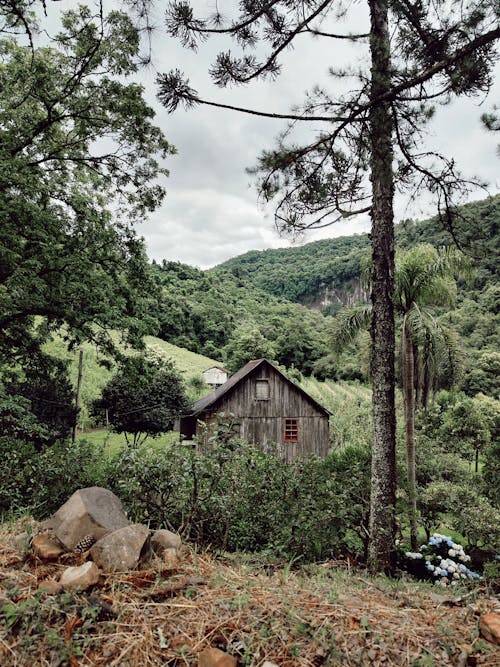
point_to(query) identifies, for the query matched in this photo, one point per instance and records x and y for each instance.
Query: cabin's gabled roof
(208, 401)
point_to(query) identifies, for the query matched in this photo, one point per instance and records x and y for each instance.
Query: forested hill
(302, 273)
(325, 274)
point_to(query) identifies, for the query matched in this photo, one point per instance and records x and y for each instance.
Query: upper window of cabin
(291, 430)
(262, 390)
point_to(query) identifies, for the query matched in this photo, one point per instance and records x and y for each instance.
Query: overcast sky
(211, 212)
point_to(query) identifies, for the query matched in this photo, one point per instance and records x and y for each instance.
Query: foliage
(77, 143)
(262, 503)
(463, 425)
(143, 398)
(303, 274)
(42, 482)
(45, 385)
(321, 269)
(246, 344)
(17, 420)
(491, 472)
(190, 315)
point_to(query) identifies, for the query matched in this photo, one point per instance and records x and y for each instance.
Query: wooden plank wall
(262, 421)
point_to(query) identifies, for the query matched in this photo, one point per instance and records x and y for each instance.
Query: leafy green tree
(467, 426)
(142, 399)
(79, 163)
(483, 375)
(424, 277)
(44, 383)
(246, 344)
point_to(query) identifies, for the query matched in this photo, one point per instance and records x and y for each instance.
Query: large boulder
(121, 550)
(89, 512)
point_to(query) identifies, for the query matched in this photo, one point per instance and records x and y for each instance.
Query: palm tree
(424, 278)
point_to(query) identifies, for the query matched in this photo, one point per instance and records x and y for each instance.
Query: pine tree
(371, 144)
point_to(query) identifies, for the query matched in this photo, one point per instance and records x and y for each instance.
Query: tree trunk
(78, 395)
(383, 481)
(409, 406)
(417, 374)
(426, 385)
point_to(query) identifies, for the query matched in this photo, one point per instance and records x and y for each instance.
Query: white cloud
(211, 213)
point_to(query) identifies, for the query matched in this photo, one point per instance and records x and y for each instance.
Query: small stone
(171, 559)
(212, 657)
(81, 577)
(120, 550)
(165, 539)
(47, 546)
(22, 543)
(489, 625)
(266, 663)
(50, 587)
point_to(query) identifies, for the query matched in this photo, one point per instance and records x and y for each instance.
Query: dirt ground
(328, 614)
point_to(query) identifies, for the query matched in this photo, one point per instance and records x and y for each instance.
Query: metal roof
(207, 401)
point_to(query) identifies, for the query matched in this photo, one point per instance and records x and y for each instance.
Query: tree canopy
(143, 398)
(79, 166)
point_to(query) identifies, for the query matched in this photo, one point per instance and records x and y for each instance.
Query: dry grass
(326, 615)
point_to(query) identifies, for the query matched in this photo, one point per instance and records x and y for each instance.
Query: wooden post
(78, 395)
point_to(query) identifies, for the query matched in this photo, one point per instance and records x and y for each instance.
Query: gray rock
(165, 539)
(94, 511)
(120, 550)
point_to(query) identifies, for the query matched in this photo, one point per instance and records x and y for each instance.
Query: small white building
(215, 376)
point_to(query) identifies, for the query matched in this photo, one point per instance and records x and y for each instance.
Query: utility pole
(78, 395)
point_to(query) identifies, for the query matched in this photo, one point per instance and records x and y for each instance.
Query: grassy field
(349, 403)
(96, 375)
(110, 443)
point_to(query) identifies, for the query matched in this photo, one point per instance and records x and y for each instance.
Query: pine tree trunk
(409, 407)
(383, 480)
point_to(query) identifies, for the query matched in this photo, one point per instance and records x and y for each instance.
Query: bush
(235, 497)
(440, 560)
(42, 482)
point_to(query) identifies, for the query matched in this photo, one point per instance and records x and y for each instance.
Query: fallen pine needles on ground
(313, 616)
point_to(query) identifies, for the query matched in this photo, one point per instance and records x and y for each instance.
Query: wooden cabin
(265, 408)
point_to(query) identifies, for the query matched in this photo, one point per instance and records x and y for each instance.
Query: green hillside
(96, 374)
(297, 273)
(305, 273)
(219, 315)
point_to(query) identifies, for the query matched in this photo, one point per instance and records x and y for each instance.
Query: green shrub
(235, 497)
(42, 482)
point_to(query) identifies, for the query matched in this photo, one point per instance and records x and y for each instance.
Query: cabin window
(262, 390)
(291, 430)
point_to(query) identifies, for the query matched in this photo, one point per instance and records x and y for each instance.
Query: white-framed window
(262, 390)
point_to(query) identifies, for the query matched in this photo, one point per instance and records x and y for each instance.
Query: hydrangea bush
(441, 560)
